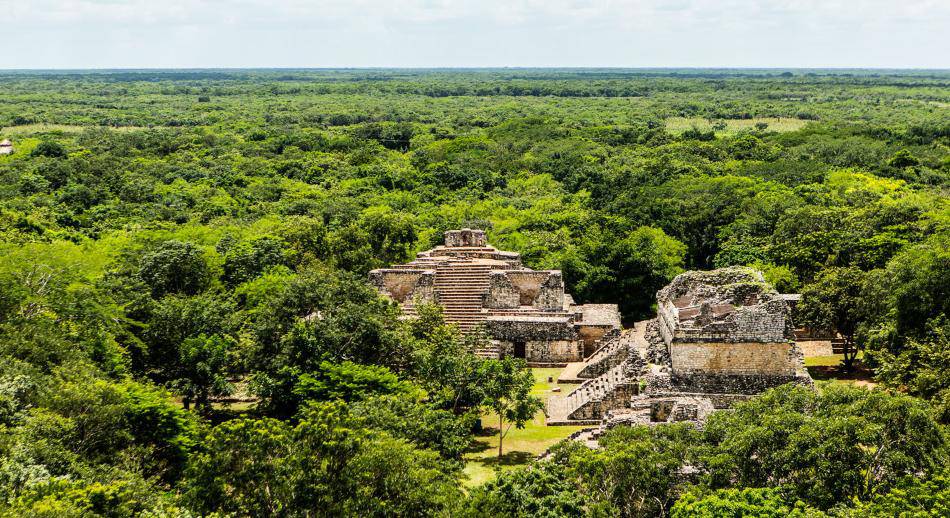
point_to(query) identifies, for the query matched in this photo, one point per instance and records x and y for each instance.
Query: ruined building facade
(719, 337)
(523, 312)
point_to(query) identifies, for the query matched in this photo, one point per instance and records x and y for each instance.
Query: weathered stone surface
(404, 285)
(465, 237)
(719, 337)
(525, 312)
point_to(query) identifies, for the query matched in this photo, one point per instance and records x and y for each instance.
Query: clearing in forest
(678, 125)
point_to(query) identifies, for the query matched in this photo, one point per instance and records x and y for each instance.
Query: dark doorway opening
(519, 350)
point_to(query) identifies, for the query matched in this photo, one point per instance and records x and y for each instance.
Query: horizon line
(465, 67)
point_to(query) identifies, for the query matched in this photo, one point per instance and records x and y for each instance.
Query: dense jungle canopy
(170, 238)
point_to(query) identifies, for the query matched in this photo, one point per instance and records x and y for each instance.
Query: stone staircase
(592, 399)
(488, 349)
(612, 352)
(460, 289)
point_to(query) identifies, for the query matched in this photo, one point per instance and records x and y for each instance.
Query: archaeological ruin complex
(719, 337)
(522, 312)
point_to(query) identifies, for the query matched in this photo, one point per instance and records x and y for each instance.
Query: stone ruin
(719, 337)
(523, 312)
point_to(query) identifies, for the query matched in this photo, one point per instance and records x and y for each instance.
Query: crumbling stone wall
(658, 350)
(551, 294)
(528, 284)
(403, 285)
(513, 288)
(502, 293)
(465, 237)
(614, 352)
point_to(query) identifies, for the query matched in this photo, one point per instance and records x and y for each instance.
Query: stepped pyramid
(523, 312)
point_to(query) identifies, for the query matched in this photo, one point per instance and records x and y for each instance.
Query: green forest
(186, 327)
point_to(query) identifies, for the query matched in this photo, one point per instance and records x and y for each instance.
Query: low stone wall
(734, 358)
(527, 329)
(812, 348)
(750, 384)
(546, 351)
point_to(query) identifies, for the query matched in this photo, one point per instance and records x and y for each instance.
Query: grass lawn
(520, 446)
(42, 127)
(827, 369)
(681, 124)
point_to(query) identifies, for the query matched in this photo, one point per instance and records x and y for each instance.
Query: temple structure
(719, 337)
(523, 312)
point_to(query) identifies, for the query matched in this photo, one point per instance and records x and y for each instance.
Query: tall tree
(835, 302)
(506, 386)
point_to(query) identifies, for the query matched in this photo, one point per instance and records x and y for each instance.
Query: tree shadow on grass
(838, 372)
(512, 458)
(477, 447)
(485, 432)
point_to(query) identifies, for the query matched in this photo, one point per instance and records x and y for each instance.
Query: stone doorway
(520, 350)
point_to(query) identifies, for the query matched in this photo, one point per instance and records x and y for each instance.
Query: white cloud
(40, 33)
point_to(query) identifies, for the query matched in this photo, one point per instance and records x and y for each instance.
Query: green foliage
(404, 416)
(202, 362)
(506, 390)
(637, 471)
(49, 148)
(835, 302)
(347, 381)
(540, 490)
(322, 465)
(225, 232)
(843, 444)
(911, 497)
(740, 503)
(175, 268)
(444, 363)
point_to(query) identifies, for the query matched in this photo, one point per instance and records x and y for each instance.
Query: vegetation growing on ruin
(185, 239)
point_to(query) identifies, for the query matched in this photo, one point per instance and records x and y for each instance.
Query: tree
(542, 489)
(739, 503)
(174, 319)
(175, 267)
(202, 366)
(49, 148)
(913, 496)
(637, 470)
(841, 444)
(835, 302)
(321, 315)
(325, 465)
(247, 260)
(444, 362)
(626, 269)
(347, 381)
(408, 416)
(506, 386)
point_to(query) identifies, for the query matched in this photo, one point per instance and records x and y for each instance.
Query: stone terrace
(481, 289)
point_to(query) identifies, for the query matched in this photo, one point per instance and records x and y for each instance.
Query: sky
(74, 34)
